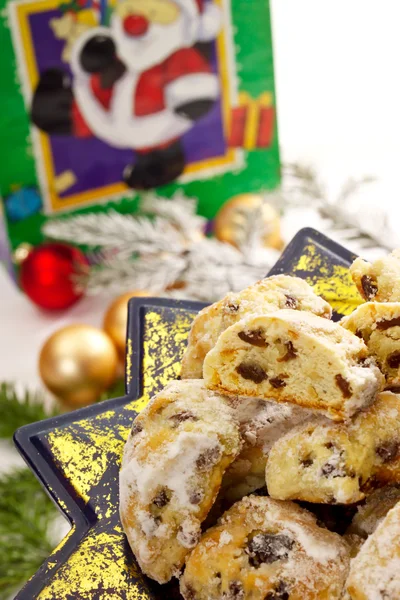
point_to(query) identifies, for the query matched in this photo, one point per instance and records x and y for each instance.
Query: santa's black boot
(156, 168)
(195, 109)
(52, 103)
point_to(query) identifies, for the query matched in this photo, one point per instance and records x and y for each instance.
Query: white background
(338, 93)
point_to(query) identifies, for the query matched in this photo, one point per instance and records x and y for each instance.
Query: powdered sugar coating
(261, 424)
(320, 462)
(375, 571)
(171, 473)
(272, 547)
(370, 514)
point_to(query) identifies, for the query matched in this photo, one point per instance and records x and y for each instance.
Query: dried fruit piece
(369, 286)
(393, 360)
(291, 302)
(136, 428)
(208, 458)
(277, 382)
(162, 498)
(183, 416)
(343, 385)
(385, 324)
(330, 469)
(388, 451)
(281, 592)
(236, 591)
(196, 497)
(252, 371)
(255, 338)
(268, 548)
(291, 352)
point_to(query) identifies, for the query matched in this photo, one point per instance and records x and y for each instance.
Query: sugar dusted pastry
(380, 425)
(263, 549)
(261, 424)
(267, 295)
(338, 463)
(322, 463)
(375, 509)
(374, 572)
(379, 281)
(378, 323)
(295, 357)
(174, 460)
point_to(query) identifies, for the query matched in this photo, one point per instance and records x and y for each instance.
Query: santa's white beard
(160, 41)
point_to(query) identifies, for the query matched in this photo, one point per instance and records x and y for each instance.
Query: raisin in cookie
(374, 572)
(261, 423)
(370, 514)
(176, 454)
(298, 358)
(378, 323)
(268, 295)
(263, 549)
(322, 463)
(379, 281)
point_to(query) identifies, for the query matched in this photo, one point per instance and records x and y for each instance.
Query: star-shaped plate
(77, 456)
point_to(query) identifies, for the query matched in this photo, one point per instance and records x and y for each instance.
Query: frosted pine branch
(151, 273)
(127, 233)
(205, 271)
(179, 210)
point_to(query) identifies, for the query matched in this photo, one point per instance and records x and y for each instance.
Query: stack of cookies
(271, 469)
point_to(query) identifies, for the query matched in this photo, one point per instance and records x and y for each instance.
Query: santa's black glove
(195, 109)
(52, 102)
(99, 56)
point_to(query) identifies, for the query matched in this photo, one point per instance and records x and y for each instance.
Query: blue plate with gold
(77, 456)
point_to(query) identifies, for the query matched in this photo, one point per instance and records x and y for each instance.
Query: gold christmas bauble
(116, 318)
(231, 219)
(78, 363)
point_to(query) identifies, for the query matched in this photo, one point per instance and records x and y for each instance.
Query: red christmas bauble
(46, 275)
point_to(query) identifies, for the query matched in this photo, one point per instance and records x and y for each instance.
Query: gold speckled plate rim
(309, 255)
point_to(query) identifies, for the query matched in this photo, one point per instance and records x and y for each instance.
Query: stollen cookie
(263, 549)
(370, 514)
(295, 357)
(338, 463)
(378, 324)
(261, 423)
(379, 281)
(267, 295)
(380, 426)
(174, 460)
(321, 463)
(374, 572)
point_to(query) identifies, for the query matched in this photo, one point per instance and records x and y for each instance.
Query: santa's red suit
(163, 72)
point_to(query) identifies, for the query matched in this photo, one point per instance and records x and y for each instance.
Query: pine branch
(128, 233)
(300, 184)
(25, 515)
(152, 273)
(179, 210)
(18, 410)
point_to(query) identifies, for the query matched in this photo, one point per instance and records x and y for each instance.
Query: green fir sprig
(25, 515)
(17, 410)
(26, 512)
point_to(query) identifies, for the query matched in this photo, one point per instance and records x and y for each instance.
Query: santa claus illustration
(139, 84)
